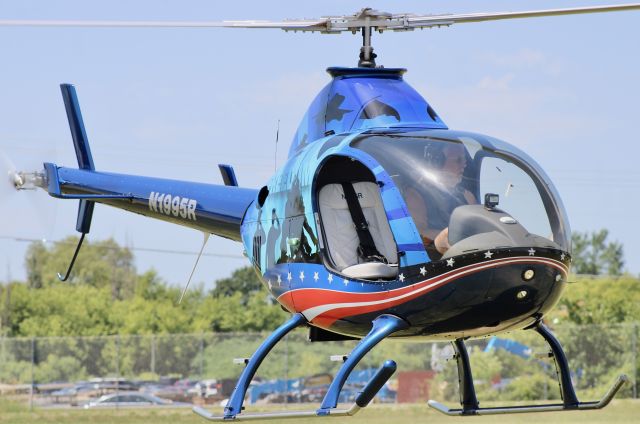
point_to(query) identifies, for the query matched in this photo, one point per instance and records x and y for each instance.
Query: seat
(342, 239)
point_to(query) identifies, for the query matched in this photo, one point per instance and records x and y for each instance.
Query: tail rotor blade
(76, 124)
(32, 213)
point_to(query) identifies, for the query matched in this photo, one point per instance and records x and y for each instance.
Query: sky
(174, 103)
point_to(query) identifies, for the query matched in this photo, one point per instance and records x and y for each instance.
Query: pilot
(441, 191)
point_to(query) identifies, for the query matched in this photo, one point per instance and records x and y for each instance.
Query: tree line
(596, 320)
(105, 294)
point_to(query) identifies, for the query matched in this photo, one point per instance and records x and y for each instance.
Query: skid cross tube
(234, 406)
(383, 326)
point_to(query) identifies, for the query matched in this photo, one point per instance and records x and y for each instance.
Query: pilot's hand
(441, 242)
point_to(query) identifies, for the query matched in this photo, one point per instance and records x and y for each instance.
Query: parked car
(132, 399)
(69, 394)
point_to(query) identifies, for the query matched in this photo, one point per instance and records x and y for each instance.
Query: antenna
(204, 243)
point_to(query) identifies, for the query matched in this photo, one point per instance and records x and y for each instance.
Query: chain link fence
(200, 369)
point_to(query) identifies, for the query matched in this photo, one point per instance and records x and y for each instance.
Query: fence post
(286, 370)
(117, 368)
(33, 360)
(201, 373)
(153, 354)
(634, 349)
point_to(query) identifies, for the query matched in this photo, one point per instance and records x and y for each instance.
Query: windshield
(444, 177)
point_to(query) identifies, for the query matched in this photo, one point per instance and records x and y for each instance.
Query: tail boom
(209, 208)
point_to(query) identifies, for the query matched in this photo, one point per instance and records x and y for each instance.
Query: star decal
(532, 251)
(289, 277)
(562, 257)
(346, 281)
(315, 276)
(450, 262)
(401, 278)
(269, 284)
(423, 271)
(488, 254)
(330, 278)
(301, 275)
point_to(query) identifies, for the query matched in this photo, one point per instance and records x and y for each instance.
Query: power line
(139, 249)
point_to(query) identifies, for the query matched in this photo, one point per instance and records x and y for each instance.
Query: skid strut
(234, 406)
(468, 398)
(570, 401)
(383, 326)
(569, 397)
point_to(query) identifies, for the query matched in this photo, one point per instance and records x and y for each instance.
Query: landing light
(528, 275)
(522, 294)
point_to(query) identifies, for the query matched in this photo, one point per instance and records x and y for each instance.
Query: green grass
(620, 411)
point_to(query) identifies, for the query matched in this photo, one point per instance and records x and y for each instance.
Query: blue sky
(176, 102)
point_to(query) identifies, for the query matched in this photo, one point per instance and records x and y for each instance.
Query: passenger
(432, 204)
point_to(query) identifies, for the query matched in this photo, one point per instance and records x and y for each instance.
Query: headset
(434, 154)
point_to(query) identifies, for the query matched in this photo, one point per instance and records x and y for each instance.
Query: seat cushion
(341, 236)
(371, 271)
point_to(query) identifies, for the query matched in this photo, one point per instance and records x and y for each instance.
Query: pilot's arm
(418, 211)
(441, 240)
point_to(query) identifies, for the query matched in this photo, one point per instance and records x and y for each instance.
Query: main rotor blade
(285, 25)
(440, 20)
(365, 18)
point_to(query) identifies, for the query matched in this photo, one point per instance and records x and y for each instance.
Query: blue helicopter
(382, 223)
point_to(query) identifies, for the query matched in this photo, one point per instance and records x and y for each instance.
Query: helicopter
(382, 223)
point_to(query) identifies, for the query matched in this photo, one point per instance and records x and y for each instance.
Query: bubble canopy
(361, 98)
(444, 176)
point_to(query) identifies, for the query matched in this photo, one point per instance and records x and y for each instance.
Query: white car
(131, 399)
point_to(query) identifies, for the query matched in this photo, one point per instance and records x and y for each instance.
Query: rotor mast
(367, 56)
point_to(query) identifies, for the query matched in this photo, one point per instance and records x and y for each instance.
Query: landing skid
(570, 402)
(383, 326)
(275, 415)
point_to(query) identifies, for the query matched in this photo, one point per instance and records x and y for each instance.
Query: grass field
(621, 411)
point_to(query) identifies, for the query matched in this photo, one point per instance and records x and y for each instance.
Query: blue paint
(396, 214)
(76, 124)
(234, 406)
(414, 258)
(405, 231)
(411, 246)
(383, 326)
(219, 208)
(362, 98)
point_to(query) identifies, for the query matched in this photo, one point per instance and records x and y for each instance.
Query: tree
(99, 264)
(600, 301)
(243, 280)
(592, 254)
